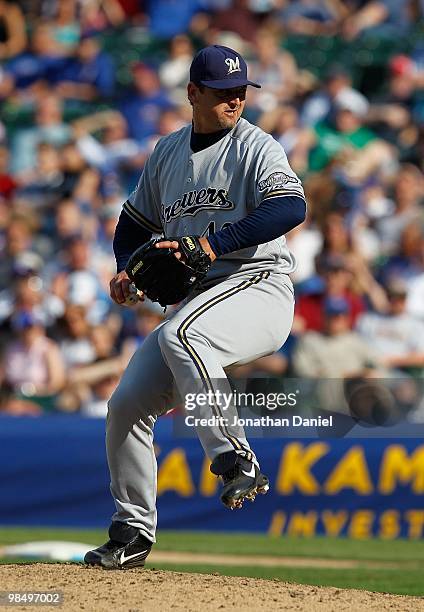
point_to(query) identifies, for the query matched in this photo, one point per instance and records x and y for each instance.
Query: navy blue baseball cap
(219, 68)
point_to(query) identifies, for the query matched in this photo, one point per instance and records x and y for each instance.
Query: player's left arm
(279, 203)
(274, 217)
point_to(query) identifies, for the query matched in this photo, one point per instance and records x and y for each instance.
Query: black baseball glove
(161, 276)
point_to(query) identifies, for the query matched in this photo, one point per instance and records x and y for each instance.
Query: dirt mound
(94, 589)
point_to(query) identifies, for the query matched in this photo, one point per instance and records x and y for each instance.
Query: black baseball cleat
(126, 549)
(242, 481)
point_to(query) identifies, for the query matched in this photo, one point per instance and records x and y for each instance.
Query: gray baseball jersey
(245, 313)
(181, 192)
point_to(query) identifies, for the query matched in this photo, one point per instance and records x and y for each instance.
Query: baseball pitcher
(221, 195)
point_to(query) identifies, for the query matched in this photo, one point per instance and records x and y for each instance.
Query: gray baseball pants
(236, 321)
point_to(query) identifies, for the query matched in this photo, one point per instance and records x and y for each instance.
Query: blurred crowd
(87, 87)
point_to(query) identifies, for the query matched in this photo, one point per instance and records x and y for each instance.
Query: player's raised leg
(236, 321)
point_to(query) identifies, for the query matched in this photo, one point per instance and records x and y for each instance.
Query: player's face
(216, 109)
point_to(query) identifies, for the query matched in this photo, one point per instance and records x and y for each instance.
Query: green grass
(244, 544)
(18, 535)
(407, 580)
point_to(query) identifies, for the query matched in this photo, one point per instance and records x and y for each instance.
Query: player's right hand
(120, 289)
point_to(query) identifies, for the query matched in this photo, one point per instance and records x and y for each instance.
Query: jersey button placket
(189, 179)
(190, 167)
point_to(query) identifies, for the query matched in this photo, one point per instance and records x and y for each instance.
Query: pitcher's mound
(86, 588)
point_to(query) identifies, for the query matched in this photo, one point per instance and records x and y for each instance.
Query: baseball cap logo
(233, 65)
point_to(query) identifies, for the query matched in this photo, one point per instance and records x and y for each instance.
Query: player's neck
(200, 141)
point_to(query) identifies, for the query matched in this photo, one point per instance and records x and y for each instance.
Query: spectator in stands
(337, 239)
(284, 125)
(43, 185)
(239, 18)
(103, 339)
(73, 167)
(13, 37)
(347, 147)
(337, 352)
(170, 121)
(108, 218)
(48, 127)
(28, 293)
(88, 76)
(84, 380)
(340, 241)
(408, 189)
(33, 363)
(340, 279)
(312, 17)
(335, 280)
(81, 277)
(408, 260)
(87, 190)
(84, 277)
(173, 71)
(113, 151)
(275, 68)
(397, 336)
(376, 203)
(342, 133)
(335, 358)
(142, 108)
(376, 17)
(391, 113)
(64, 27)
(37, 65)
(73, 334)
(94, 405)
(70, 223)
(170, 17)
(318, 106)
(100, 15)
(19, 243)
(306, 242)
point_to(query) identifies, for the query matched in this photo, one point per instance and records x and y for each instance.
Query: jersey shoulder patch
(278, 180)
